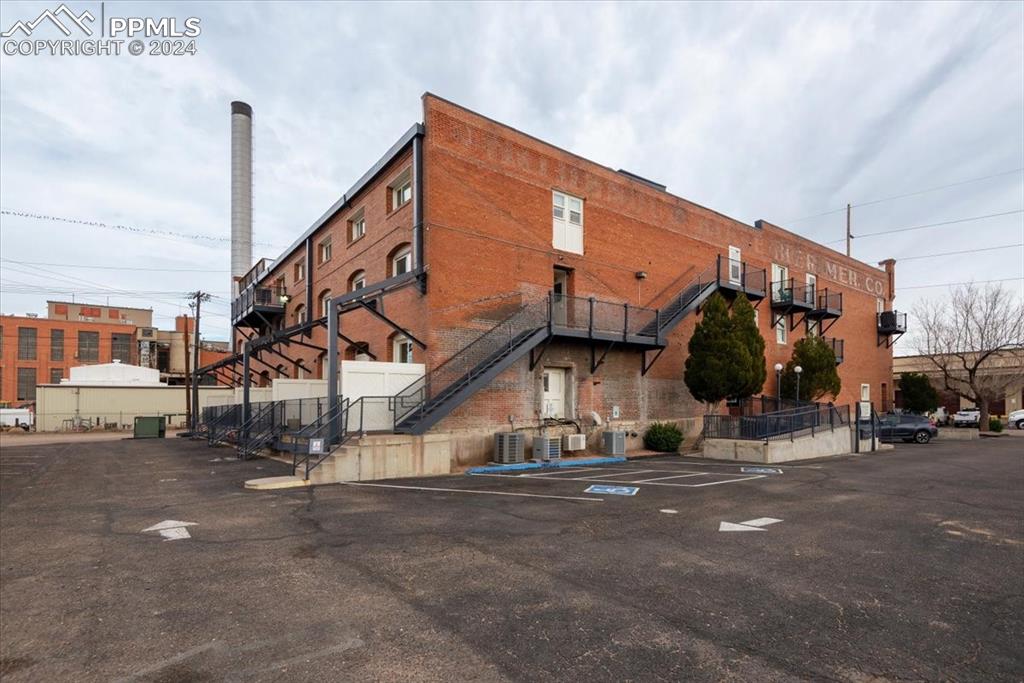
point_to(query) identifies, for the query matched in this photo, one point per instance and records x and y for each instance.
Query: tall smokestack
(241, 191)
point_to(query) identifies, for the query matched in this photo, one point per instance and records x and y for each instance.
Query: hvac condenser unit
(574, 442)
(614, 443)
(547, 448)
(509, 447)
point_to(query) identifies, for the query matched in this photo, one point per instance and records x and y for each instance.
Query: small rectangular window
(89, 347)
(402, 262)
(401, 189)
(780, 331)
(26, 343)
(26, 384)
(55, 375)
(325, 251)
(300, 271)
(357, 226)
(567, 222)
(56, 344)
(403, 350)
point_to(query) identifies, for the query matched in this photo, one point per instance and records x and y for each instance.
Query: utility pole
(198, 297)
(188, 381)
(848, 235)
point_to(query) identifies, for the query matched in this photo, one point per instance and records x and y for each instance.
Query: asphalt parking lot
(903, 565)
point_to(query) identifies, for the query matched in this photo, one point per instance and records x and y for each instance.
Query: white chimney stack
(241, 191)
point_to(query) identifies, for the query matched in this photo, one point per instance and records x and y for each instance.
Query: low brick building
(36, 350)
(469, 237)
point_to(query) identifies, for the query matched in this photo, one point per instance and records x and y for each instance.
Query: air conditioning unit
(509, 447)
(574, 442)
(147, 332)
(614, 443)
(547, 448)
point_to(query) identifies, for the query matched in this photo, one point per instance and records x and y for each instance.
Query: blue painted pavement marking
(613, 490)
(760, 470)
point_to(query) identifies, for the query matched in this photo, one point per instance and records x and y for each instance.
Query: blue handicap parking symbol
(760, 470)
(613, 490)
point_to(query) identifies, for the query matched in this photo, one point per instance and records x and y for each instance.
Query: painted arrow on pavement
(171, 529)
(751, 525)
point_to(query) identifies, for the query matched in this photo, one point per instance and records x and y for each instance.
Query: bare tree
(975, 339)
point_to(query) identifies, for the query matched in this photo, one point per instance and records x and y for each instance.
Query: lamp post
(778, 386)
(798, 370)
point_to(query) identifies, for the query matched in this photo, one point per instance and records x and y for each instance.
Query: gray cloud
(756, 110)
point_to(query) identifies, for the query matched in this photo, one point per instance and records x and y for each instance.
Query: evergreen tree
(819, 376)
(919, 395)
(745, 329)
(718, 366)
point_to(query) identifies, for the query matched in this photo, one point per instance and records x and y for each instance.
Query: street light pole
(778, 386)
(798, 370)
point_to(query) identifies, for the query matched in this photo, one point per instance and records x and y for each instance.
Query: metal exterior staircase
(262, 429)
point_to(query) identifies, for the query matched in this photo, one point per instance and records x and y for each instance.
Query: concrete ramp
(822, 444)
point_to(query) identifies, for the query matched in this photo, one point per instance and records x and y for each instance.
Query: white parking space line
(676, 476)
(627, 482)
(489, 493)
(627, 473)
(727, 481)
(561, 470)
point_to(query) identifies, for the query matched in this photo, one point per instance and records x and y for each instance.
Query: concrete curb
(584, 462)
(273, 483)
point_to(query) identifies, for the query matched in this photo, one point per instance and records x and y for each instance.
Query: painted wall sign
(613, 490)
(871, 282)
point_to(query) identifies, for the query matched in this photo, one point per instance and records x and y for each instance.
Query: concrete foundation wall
(820, 445)
(386, 457)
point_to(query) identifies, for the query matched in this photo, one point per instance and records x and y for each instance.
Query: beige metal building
(1004, 373)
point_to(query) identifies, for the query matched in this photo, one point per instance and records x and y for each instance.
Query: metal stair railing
(223, 424)
(784, 424)
(472, 359)
(320, 428)
(261, 428)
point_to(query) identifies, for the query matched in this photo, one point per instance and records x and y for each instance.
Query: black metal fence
(786, 424)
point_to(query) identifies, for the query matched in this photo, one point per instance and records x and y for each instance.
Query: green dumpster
(147, 427)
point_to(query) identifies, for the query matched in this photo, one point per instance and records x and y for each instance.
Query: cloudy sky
(783, 112)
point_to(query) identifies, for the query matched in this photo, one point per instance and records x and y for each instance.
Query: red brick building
(37, 350)
(494, 223)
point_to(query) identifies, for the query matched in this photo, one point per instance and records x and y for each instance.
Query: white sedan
(1016, 418)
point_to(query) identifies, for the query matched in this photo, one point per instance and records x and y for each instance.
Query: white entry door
(554, 392)
(812, 289)
(735, 265)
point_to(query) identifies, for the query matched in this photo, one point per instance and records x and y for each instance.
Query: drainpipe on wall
(310, 313)
(417, 211)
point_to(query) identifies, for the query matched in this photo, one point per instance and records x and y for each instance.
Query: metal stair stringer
(440, 406)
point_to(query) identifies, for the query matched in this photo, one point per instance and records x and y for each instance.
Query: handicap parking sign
(613, 490)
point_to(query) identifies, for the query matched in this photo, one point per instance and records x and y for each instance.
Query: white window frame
(567, 221)
(780, 276)
(324, 250)
(781, 331)
(811, 293)
(401, 350)
(735, 262)
(358, 280)
(357, 225)
(403, 255)
(300, 271)
(879, 305)
(300, 314)
(401, 189)
(323, 303)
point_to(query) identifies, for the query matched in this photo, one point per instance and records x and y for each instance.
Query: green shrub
(995, 424)
(664, 437)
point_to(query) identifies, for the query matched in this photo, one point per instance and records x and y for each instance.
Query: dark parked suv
(907, 428)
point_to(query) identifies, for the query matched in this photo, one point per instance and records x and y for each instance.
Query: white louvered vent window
(567, 222)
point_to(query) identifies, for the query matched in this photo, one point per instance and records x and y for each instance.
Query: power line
(962, 251)
(954, 284)
(908, 194)
(151, 232)
(930, 225)
(148, 270)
